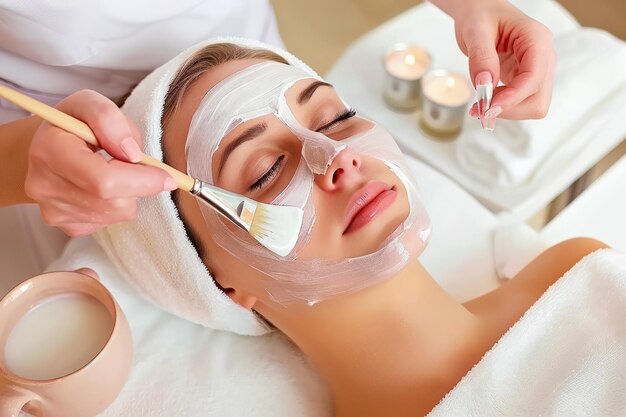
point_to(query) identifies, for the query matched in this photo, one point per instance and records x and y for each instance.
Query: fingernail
(488, 121)
(131, 150)
(493, 112)
(489, 124)
(483, 78)
(169, 184)
(484, 92)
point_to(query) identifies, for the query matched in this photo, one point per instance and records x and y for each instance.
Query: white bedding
(566, 357)
(183, 369)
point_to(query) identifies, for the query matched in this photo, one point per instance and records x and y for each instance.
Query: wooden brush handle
(83, 131)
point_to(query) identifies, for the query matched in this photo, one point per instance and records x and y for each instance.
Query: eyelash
(271, 173)
(345, 115)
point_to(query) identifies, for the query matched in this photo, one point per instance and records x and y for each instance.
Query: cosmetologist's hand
(78, 190)
(503, 43)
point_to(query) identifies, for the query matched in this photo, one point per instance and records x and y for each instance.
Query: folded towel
(565, 357)
(591, 66)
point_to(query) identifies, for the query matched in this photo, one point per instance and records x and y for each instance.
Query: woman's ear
(238, 296)
(244, 300)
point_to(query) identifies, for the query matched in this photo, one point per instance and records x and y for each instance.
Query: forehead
(198, 89)
(216, 88)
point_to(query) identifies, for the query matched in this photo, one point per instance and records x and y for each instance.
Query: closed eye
(344, 115)
(269, 175)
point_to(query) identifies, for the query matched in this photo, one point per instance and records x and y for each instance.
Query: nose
(343, 171)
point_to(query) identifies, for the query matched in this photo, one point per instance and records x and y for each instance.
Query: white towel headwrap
(165, 280)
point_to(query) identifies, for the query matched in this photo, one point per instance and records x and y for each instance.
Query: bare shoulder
(503, 306)
(571, 251)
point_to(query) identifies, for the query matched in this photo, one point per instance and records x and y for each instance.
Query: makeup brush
(275, 227)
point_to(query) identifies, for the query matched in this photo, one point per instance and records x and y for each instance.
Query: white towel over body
(565, 357)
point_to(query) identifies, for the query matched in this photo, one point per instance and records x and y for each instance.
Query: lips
(367, 203)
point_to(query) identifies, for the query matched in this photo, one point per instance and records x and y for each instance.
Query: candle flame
(450, 82)
(409, 59)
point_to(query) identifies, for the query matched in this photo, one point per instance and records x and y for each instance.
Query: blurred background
(318, 31)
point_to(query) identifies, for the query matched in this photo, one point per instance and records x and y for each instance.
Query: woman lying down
(352, 295)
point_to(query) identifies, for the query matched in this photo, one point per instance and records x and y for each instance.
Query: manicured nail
(488, 121)
(169, 184)
(493, 112)
(489, 124)
(484, 94)
(483, 78)
(131, 150)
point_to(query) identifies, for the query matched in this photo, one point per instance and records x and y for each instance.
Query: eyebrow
(249, 134)
(306, 94)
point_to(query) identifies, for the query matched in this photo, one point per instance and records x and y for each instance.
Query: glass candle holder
(446, 96)
(404, 67)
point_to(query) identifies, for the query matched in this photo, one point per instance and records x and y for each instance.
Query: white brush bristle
(277, 227)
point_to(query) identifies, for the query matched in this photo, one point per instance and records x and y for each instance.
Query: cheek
(325, 236)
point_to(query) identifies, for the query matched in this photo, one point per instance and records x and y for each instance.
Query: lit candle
(446, 96)
(405, 65)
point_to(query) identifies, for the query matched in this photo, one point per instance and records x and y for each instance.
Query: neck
(393, 349)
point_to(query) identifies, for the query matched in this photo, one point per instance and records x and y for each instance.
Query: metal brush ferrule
(210, 194)
(197, 185)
